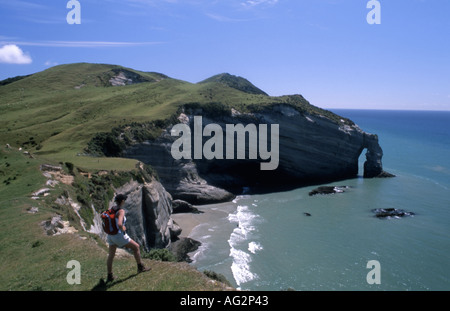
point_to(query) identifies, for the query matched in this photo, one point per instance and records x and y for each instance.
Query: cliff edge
(313, 148)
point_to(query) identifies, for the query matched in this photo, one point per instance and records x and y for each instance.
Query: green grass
(19, 174)
(54, 115)
(47, 115)
(32, 260)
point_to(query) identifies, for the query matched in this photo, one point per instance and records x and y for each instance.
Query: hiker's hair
(120, 197)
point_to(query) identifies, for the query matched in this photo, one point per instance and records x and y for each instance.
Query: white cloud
(82, 44)
(253, 3)
(12, 54)
(221, 18)
(20, 5)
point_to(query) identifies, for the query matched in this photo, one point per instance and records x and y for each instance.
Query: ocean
(293, 241)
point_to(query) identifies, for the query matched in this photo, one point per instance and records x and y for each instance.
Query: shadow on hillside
(103, 286)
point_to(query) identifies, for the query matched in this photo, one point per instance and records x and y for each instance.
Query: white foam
(237, 236)
(240, 267)
(199, 253)
(198, 233)
(253, 247)
(243, 216)
(246, 220)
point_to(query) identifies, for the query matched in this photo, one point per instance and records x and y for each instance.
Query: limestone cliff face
(179, 177)
(312, 148)
(148, 212)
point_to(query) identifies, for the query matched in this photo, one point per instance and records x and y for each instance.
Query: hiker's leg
(111, 254)
(137, 255)
(136, 251)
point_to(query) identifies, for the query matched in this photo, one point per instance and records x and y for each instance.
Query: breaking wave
(242, 245)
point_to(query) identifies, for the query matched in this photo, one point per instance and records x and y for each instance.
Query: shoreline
(208, 213)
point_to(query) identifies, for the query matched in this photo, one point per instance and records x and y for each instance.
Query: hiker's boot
(110, 278)
(142, 268)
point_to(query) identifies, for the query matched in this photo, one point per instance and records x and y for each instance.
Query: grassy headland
(33, 260)
(54, 115)
(56, 112)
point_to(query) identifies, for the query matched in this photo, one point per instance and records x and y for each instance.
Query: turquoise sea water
(266, 242)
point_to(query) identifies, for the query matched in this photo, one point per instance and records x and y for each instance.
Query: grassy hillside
(56, 112)
(238, 83)
(33, 260)
(53, 115)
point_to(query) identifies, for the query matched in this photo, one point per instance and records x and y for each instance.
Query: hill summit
(235, 82)
(78, 112)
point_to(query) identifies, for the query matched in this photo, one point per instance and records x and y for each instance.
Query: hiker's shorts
(120, 239)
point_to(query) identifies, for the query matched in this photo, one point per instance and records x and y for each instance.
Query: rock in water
(180, 206)
(182, 247)
(327, 190)
(384, 174)
(391, 212)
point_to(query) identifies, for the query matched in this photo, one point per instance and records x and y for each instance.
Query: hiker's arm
(120, 220)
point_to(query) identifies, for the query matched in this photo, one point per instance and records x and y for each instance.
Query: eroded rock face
(179, 177)
(312, 149)
(182, 247)
(125, 77)
(56, 226)
(373, 166)
(148, 210)
(180, 206)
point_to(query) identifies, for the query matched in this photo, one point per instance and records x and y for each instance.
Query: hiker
(121, 239)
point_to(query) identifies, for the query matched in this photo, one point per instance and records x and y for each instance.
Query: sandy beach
(188, 221)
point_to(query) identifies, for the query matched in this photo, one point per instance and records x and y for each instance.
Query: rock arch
(373, 166)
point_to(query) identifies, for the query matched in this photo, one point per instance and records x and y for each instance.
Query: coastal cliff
(148, 211)
(141, 109)
(313, 148)
(89, 118)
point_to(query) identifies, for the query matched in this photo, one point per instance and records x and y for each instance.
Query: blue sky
(323, 49)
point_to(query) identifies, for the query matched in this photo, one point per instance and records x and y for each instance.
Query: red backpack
(109, 222)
